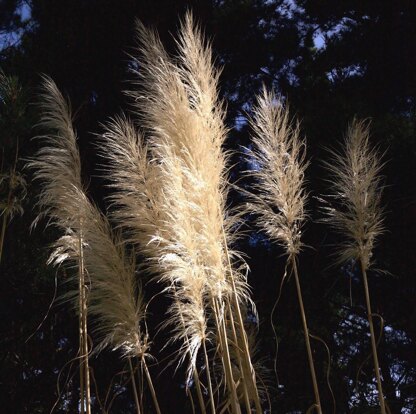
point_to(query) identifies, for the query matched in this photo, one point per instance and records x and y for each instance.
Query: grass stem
(3, 232)
(373, 339)
(199, 391)
(306, 333)
(211, 394)
(246, 350)
(84, 333)
(134, 386)
(225, 354)
(152, 389)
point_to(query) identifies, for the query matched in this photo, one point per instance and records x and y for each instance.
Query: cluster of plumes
(278, 160)
(172, 196)
(115, 300)
(354, 207)
(169, 199)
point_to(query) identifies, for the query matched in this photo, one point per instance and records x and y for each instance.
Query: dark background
(332, 60)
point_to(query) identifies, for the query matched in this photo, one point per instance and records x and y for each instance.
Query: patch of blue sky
(13, 38)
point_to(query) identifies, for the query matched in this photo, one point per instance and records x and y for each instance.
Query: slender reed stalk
(278, 159)
(81, 347)
(306, 333)
(207, 365)
(58, 166)
(249, 385)
(150, 383)
(84, 332)
(225, 355)
(3, 231)
(354, 210)
(373, 340)
(134, 386)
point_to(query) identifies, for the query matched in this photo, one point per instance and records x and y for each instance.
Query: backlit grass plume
(116, 301)
(279, 197)
(354, 210)
(57, 165)
(354, 206)
(135, 178)
(114, 297)
(279, 166)
(183, 119)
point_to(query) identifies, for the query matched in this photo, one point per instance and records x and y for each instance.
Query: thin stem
(191, 400)
(199, 391)
(84, 333)
(3, 232)
(149, 381)
(306, 333)
(226, 358)
(373, 339)
(134, 386)
(246, 353)
(211, 394)
(239, 351)
(81, 344)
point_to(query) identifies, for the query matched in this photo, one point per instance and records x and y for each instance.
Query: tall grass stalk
(84, 368)
(279, 165)
(170, 196)
(134, 386)
(354, 210)
(115, 298)
(57, 165)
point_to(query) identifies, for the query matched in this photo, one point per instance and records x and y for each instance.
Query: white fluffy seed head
(278, 159)
(115, 300)
(353, 207)
(184, 122)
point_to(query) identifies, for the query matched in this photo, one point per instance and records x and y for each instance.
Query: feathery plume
(354, 210)
(57, 165)
(184, 120)
(279, 159)
(354, 207)
(135, 179)
(115, 298)
(279, 163)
